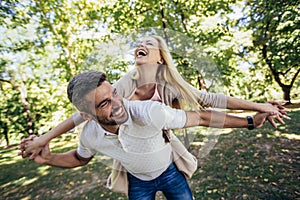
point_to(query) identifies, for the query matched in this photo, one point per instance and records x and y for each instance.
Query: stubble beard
(106, 122)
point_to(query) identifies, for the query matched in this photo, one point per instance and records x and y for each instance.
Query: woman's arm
(33, 147)
(214, 100)
(239, 104)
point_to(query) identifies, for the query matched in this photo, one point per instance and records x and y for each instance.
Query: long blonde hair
(170, 74)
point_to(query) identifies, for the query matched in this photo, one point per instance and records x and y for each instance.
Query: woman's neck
(147, 73)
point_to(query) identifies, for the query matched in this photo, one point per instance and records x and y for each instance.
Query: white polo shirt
(139, 145)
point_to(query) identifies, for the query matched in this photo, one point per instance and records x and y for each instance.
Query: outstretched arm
(271, 106)
(33, 147)
(69, 159)
(222, 120)
(222, 101)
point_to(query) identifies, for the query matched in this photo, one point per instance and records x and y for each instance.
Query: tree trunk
(6, 134)
(287, 94)
(23, 92)
(201, 82)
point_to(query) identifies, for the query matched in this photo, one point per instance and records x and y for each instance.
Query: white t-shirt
(139, 145)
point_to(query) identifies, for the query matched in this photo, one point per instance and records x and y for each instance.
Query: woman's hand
(31, 146)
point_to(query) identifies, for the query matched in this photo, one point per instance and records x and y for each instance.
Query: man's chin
(120, 121)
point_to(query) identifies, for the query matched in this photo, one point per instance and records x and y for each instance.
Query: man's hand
(44, 156)
(278, 112)
(261, 118)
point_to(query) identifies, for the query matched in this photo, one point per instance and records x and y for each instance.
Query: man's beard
(107, 123)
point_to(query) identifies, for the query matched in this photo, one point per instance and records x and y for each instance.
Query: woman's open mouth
(141, 53)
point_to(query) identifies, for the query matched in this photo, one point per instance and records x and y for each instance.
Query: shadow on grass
(24, 179)
(258, 164)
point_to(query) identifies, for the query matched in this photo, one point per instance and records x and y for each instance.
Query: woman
(156, 78)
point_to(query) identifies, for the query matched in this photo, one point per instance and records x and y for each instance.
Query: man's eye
(115, 92)
(104, 104)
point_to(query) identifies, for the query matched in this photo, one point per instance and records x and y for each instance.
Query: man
(131, 132)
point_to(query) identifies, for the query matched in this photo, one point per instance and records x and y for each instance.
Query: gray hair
(82, 84)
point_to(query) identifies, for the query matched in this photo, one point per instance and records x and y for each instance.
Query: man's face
(106, 105)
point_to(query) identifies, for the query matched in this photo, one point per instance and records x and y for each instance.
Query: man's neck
(111, 128)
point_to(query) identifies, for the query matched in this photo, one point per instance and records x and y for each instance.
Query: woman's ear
(160, 62)
(86, 116)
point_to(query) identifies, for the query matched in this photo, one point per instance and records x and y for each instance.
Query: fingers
(272, 122)
(33, 156)
(277, 102)
(278, 117)
(35, 153)
(24, 152)
(286, 117)
(280, 106)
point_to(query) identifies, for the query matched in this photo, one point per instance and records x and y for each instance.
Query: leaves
(216, 45)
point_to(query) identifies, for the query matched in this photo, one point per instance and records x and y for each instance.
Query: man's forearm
(65, 160)
(214, 119)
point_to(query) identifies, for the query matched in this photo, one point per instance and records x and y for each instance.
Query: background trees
(246, 48)
(276, 27)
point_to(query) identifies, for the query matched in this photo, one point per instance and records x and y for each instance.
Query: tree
(276, 25)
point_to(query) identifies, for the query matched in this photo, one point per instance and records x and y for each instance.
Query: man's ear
(86, 116)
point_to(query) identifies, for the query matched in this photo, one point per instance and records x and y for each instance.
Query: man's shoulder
(91, 128)
(144, 112)
(139, 111)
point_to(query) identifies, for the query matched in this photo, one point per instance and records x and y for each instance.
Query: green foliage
(12, 117)
(276, 26)
(44, 43)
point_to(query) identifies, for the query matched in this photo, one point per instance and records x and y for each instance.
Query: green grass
(258, 164)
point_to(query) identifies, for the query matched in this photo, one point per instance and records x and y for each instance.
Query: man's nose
(115, 102)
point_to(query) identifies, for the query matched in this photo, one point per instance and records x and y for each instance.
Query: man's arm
(69, 159)
(222, 120)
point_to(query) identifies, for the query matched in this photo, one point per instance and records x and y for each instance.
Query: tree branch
(7, 81)
(294, 78)
(164, 24)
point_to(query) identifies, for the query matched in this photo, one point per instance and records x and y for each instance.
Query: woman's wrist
(42, 140)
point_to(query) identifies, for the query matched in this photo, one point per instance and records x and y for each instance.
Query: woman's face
(147, 51)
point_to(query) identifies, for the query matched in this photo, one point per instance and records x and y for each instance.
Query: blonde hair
(170, 74)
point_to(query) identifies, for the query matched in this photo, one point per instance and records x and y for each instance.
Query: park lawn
(258, 164)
